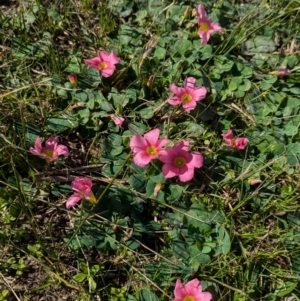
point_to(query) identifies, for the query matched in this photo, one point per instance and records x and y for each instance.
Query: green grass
(241, 240)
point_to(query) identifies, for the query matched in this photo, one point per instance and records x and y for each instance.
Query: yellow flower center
(188, 298)
(204, 26)
(180, 162)
(102, 65)
(151, 150)
(49, 153)
(185, 98)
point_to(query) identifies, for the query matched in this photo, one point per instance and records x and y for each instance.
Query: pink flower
(206, 25)
(188, 95)
(254, 181)
(118, 120)
(239, 143)
(192, 291)
(105, 62)
(83, 190)
(51, 150)
(147, 148)
(179, 162)
(282, 71)
(73, 79)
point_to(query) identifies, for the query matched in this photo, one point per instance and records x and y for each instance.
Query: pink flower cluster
(178, 161)
(192, 291)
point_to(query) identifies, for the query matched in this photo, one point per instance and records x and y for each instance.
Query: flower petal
(197, 160)
(174, 89)
(162, 142)
(137, 143)
(104, 57)
(168, 155)
(228, 135)
(169, 170)
(199, 93)
(190, 82)
(81, 184)
(184, 144)
(37, 149)
(62, 150)
(174, 101)
(94, 62)
(73, 200)
(142, 159)
(113, 58)
(204, 296)
(107, 72)
(205, 37)
(215, 27)
(186, 173)
(51, 143)
(151, 137)
(179, 290)
(240, 143)
(201, 11)
(193, 287)
(189, 106)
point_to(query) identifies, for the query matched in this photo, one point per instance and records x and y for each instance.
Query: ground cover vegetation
(149, 150)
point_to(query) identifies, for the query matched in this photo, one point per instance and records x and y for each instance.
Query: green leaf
(194, 130)
(117, 150)
(137, 128)
(92, 283)
(80, 277)
(182, 45)
(132, 242)
(32, 132)
(61, 123)
(265, 85)
(206, 52)
(106, 106)
(176, 192)
(224, 240)
(146, 113)
(247, 71)
(81, 96)
(260, 44)
(158, 178)
(285, 288)
(147, 295)
(115, 139)
(293, 154)
(137, 182)
(291, 130)
(232, 86)
(245, 86)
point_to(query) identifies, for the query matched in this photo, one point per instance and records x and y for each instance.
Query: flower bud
(187, 12)
(73, 79)
(283, 71)
(254, 181)
(118, 120)
(157, 188)
(150, 81)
